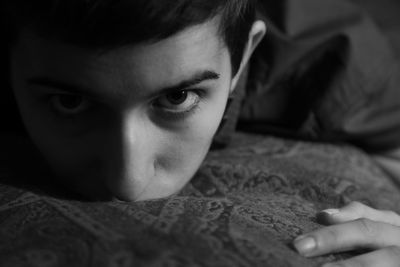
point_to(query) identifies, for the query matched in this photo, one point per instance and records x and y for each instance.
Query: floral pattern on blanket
(243, 208)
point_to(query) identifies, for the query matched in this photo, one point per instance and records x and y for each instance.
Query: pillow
(243, 208)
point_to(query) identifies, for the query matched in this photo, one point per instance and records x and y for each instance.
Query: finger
(387, 257)
(356, 210)
(361, 233)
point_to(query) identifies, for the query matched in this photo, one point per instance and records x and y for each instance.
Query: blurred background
(386, 14)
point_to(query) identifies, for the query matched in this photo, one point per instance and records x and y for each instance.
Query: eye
(179, 101)
(69, 104)
(177, 98)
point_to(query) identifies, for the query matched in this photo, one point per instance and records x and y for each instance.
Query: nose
(131, 163)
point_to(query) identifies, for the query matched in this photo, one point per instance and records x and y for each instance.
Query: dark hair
(108, 24)
(112, 23)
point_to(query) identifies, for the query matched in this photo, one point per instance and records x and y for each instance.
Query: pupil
(70, 101)
(177, 98)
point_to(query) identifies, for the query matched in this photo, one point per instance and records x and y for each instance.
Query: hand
(353, 227)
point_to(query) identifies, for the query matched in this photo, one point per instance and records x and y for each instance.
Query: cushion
(243, 208)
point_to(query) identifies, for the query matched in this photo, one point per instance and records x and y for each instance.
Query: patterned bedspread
(243, 208)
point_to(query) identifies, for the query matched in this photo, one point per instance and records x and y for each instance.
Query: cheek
(178, 157)
(68, 157)
(183, 151)
(193, 141)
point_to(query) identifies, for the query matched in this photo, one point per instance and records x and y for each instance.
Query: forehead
(147, 65)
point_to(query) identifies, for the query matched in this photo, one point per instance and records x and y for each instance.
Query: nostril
(128, 187)
(129, 172)
(118, 200)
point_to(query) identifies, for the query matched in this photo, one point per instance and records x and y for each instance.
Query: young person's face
(132, 123)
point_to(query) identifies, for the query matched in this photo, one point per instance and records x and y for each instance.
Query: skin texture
(353, 227)
(125, 139)
(132, 123)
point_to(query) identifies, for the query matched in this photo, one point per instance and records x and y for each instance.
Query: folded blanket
(243, 208)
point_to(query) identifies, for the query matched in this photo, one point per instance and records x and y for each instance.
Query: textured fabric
(243, 208)
(325, 71)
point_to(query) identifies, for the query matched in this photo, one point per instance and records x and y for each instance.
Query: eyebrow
(196, 79)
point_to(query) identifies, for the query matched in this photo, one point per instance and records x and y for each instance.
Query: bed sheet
(243, 208)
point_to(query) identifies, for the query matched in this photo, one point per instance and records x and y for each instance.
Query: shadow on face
(132, 123)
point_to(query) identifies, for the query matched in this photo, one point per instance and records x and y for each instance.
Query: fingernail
(331, 211)
(305, 245)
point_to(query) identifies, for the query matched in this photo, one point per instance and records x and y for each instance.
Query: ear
(256, 34)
